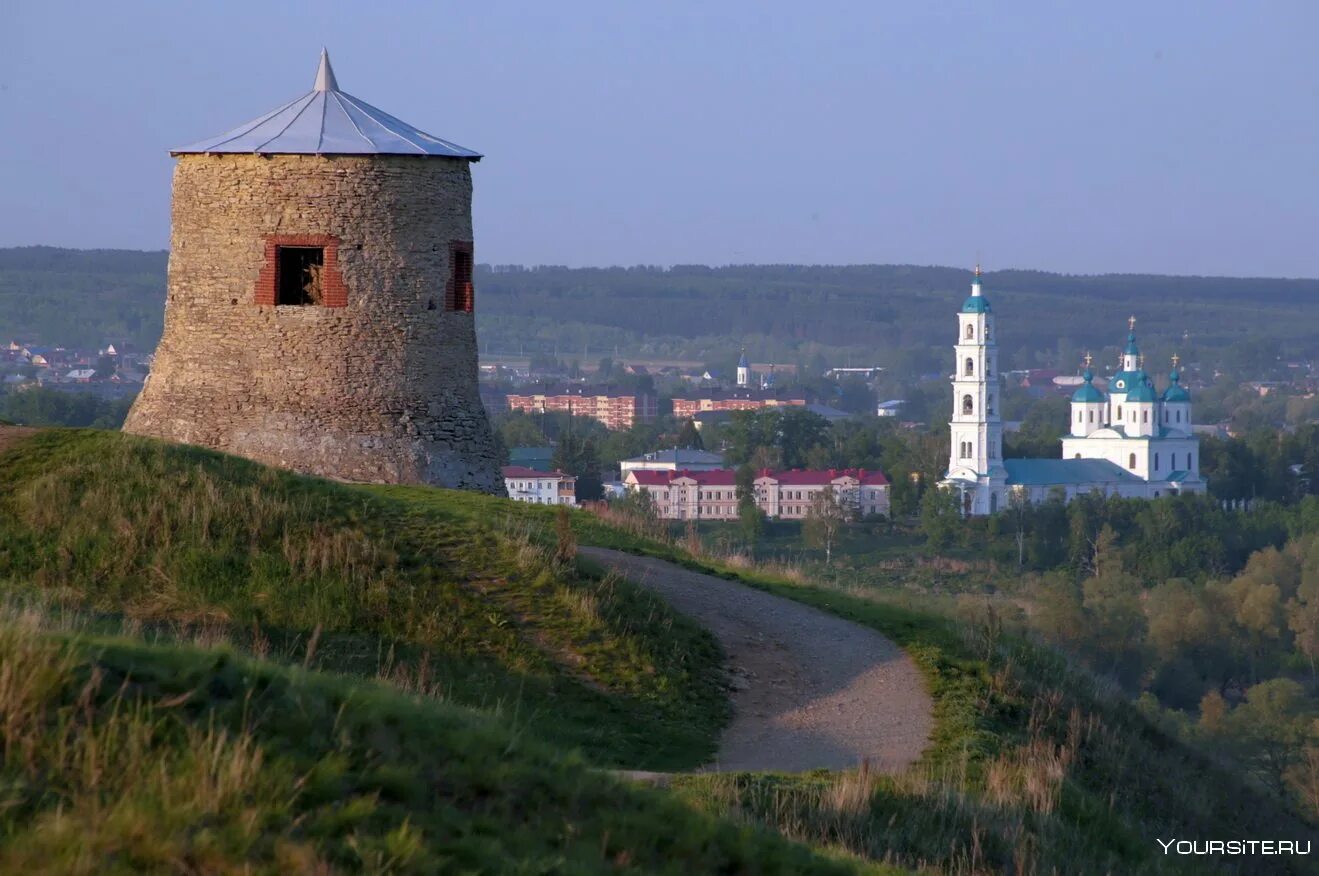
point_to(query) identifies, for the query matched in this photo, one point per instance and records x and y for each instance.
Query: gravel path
(810, 689)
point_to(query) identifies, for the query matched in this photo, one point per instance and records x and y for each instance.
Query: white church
(1134, 442)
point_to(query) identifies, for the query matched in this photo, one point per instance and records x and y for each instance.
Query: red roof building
(712, 495)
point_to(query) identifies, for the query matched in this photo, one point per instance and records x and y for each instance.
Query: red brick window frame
(333, 291)
(458, 293)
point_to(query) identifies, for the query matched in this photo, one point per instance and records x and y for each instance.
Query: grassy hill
(123, 757)
(463, 601)
(302, 672)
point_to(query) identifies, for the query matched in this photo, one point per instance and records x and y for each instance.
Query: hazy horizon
(1092, 140)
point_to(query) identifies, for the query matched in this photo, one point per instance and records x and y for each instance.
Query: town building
(540, 487)
(616, 408)
(891, 408)
(1133, 441)
(677, 459)
(319, 314)
(786, 495)
(734, 400)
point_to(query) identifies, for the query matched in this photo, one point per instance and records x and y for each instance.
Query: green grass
(125, 758)
(1034, 766)
(460, 598)
(422, 601)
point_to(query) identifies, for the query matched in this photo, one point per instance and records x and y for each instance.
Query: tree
(578, 456)
(519, 429)
(1270, 729)
(689, 437)
(825, 518)
(1303, 608)
(798, 431)
(941, 517)
(749, 515)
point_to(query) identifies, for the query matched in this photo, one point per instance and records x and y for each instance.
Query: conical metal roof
(327, 121)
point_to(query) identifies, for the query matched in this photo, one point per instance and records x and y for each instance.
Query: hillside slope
(464, 601)
(127, 758)
(406, 591)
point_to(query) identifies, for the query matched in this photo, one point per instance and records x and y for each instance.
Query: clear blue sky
(1174, 137)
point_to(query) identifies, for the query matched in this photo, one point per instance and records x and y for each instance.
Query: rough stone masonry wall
(382, 389)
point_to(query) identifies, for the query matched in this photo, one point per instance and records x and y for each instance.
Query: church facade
(1133, 441)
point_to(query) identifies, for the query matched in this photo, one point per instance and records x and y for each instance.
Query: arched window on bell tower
(968, 405)
(970, 369)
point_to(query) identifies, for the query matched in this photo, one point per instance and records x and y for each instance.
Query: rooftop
(1046, 472)
(680, 457)
(517, 471)
(327, 121)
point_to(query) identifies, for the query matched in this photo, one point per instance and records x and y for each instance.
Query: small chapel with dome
(1132, 441)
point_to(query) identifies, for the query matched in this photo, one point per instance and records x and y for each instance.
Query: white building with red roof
(712, 495)
(540, 487)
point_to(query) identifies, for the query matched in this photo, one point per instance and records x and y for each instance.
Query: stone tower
(319, 312)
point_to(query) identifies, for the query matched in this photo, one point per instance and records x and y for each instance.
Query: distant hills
(893, 315)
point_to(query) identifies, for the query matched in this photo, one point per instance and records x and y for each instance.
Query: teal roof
(976, 304)
(1131, 344)
(1126, 381)
(1176, 392)
(1047, 472)
(1143, 392)
(538, 458)
(1086, 393)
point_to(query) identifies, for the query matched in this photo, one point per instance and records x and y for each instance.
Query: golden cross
(977, 270)
(1175, 359)
(1088, 359)
(1140, 360)
(1131, 323)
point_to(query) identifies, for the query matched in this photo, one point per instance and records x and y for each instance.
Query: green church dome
(1142, 392)
(1176, 392)
(1086, 393)
(976, 304)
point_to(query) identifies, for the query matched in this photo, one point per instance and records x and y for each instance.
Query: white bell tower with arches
(975, 460)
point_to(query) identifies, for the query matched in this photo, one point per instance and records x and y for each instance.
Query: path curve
(810, 690)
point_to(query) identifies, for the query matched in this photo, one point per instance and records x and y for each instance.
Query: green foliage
(1034, 766)
(82, 298)
(825, 518)
(122, 757)
(39, 406)
(578, 455)
(791, 432)
(941, 518)
(689, 437)
(459, 588)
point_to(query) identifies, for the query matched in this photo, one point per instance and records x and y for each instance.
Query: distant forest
(897, 316)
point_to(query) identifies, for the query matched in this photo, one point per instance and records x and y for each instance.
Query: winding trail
(810, 690)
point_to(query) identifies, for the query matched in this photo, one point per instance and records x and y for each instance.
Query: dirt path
(810, 689)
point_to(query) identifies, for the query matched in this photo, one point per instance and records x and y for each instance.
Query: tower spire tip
(325, 80)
